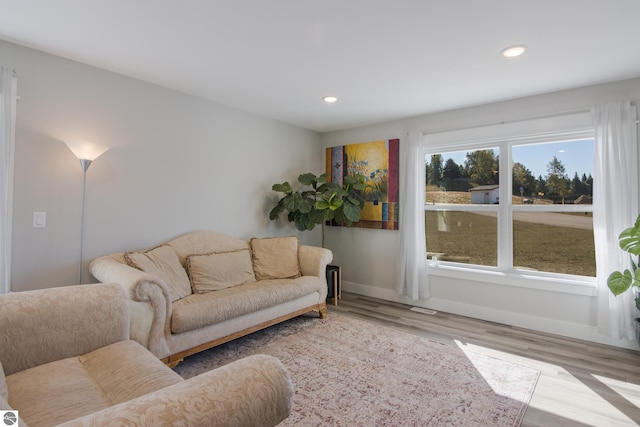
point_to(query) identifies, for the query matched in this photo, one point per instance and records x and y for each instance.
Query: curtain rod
(510, 120)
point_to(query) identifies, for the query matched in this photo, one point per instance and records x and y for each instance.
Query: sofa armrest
(253, 391)
(107, 269)
(149, 302)
(46, 325)
(313, 261)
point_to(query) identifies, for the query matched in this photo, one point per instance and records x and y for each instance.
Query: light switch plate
(39, 219)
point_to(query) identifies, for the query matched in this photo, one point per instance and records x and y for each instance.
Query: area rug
(349, 372)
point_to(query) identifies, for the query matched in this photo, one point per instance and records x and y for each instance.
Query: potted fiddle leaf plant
(320, 201)
(621, 281)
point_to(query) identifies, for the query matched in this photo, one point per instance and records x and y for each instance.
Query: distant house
(583, 200)
(485, 194)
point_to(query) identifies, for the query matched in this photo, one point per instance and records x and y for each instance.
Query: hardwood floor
(581, 383)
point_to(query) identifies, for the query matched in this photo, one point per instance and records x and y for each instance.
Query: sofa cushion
(163, 263)
(4, 393)
(275, 257)
(86, 384)
(75, 393)
(199, 310)
(215, 271)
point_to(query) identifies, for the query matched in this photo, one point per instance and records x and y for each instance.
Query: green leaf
(328, 187)
(328, 193)
(302, 222)
(322, 205)
(619, 282)
(292, 201)
(341, 192)
(353, 201)
(352, 212)
(322, 178)
(317, 216)
(305, 206)
(350, 180)
(307, 179)
(629, 239)
(285, 187)
(335, 203)
(276, 211)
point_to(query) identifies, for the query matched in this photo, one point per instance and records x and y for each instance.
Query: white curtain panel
(412, 275)
(7, 132)
(615, 194)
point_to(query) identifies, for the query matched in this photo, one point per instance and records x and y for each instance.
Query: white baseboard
(541, 324)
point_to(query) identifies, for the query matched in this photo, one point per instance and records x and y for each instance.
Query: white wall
(176, 163)
(369, 257)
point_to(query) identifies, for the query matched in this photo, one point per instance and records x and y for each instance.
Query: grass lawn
(540, 247)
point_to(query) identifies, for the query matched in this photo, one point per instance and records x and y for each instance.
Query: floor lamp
(86, 152)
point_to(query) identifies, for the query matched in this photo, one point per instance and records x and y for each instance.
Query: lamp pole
(84, 163)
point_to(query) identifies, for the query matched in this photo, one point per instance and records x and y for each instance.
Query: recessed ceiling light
(513, 51)
(330, 99)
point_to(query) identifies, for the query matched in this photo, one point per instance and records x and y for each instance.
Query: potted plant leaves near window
(323, 201)
(621, 281)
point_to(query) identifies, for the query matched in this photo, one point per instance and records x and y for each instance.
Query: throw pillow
(163, 263)
(275, 257)
(215, 271)
(4, 391)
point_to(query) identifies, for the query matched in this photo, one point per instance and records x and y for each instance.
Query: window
(462, 194)
(552, 214)
(520, 205)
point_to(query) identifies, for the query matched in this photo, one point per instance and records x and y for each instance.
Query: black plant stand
(333, 283)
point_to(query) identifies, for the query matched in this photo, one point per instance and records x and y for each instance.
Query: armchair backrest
(42, 326)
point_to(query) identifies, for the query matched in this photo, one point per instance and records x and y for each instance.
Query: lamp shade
(85, 150)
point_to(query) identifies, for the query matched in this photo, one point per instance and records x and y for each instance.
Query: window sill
(576, 285)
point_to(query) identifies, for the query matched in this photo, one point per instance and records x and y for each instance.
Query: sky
(576, 156)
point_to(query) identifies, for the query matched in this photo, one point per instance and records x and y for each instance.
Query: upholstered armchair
(66, 359)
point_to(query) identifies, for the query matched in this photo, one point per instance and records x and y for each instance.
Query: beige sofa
(204, 288)
(68, 361)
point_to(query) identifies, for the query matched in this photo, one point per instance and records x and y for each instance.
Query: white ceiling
(384, 59)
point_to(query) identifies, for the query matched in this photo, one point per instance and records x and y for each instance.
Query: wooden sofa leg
(173, 363)
(322, 310)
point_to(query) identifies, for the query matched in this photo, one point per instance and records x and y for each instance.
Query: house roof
(485, 188)
(384, 60)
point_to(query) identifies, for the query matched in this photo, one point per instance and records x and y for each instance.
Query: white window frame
(504, 136)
